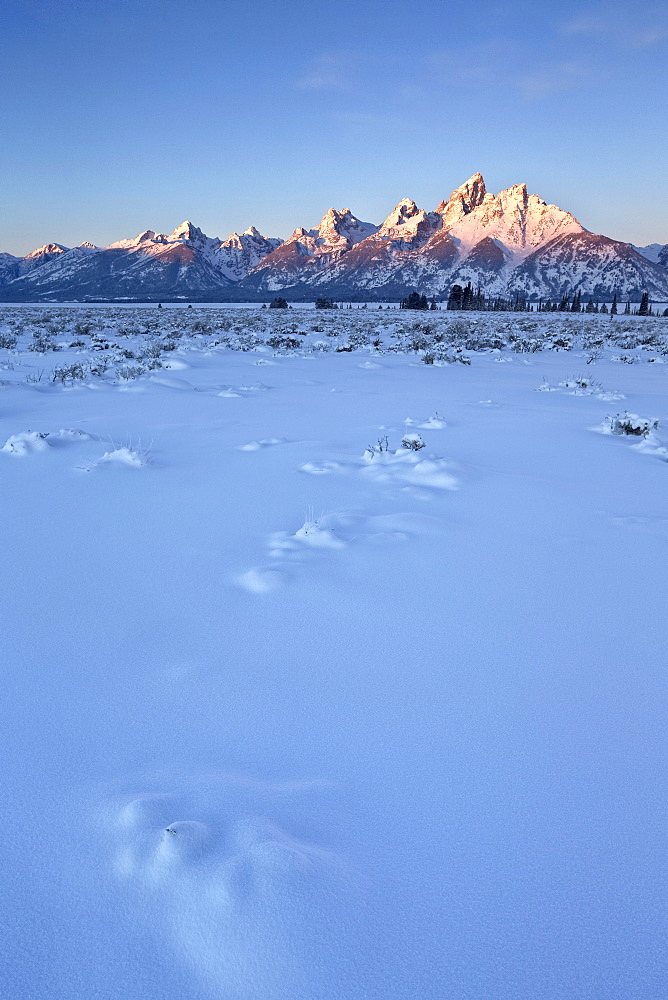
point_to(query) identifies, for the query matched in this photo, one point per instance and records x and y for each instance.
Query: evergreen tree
(644, 304)
(278, 303)
(604, 308)
(627, 308)
(414, 301)
(613, 307)
(455, 297)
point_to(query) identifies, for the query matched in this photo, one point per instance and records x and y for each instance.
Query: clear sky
(122, 115)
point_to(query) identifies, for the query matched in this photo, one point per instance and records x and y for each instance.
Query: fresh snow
(294, 712)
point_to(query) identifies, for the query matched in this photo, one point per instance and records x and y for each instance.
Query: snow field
(286, 720)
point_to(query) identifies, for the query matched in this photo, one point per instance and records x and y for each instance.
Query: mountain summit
(508, 243)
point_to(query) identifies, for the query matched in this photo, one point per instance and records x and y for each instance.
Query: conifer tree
(414, 301)
(613, 307)
(455, 297)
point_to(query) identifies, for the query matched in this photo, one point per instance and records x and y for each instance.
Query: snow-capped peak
(239, 252)
(48, 248)
(146, 237)
(407, 222)
(341, 229)
(187, 232)
(514, 219)
(463, 200)
(403, 211)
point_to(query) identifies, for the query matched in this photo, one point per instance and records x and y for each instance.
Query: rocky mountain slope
(508, 243)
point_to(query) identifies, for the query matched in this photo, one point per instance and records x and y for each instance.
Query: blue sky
(119, 116)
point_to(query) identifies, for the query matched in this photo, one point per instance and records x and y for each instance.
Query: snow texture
(288, 720)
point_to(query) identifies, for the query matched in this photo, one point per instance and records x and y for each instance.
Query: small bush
(631, 424)
(69, 373)
(282, 342)
(413, 442)
(41, 342)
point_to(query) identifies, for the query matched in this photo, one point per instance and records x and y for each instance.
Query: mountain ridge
(510, 243)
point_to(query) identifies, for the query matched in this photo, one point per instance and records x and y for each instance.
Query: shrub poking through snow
(283, 342)
(130, 372)
(124, 456)
(134, 456)
(413, 442)
(630, 424)
(377, 449)
(581, 383)
(69, 373)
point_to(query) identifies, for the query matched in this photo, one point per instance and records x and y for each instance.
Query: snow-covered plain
(292, 712)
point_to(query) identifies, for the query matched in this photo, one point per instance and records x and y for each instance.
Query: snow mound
(25, 443)
(171, 382)
(259, 445)
(261, 580)
(650, 445)
(134, 459)
(242, 892)
(406, 467)
(70, 434)
(175, 364)
(314, 535)
(434, 423)
(628, 425)
(320, 468)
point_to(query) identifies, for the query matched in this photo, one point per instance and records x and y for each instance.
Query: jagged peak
(334, 217)
(47, 248)
(186, 231)
(464, 199)
(402, 212)
(87, 246)
(517, 194)
(473, 189)
(237, 239)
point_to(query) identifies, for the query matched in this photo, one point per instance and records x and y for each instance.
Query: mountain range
(508, 244)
